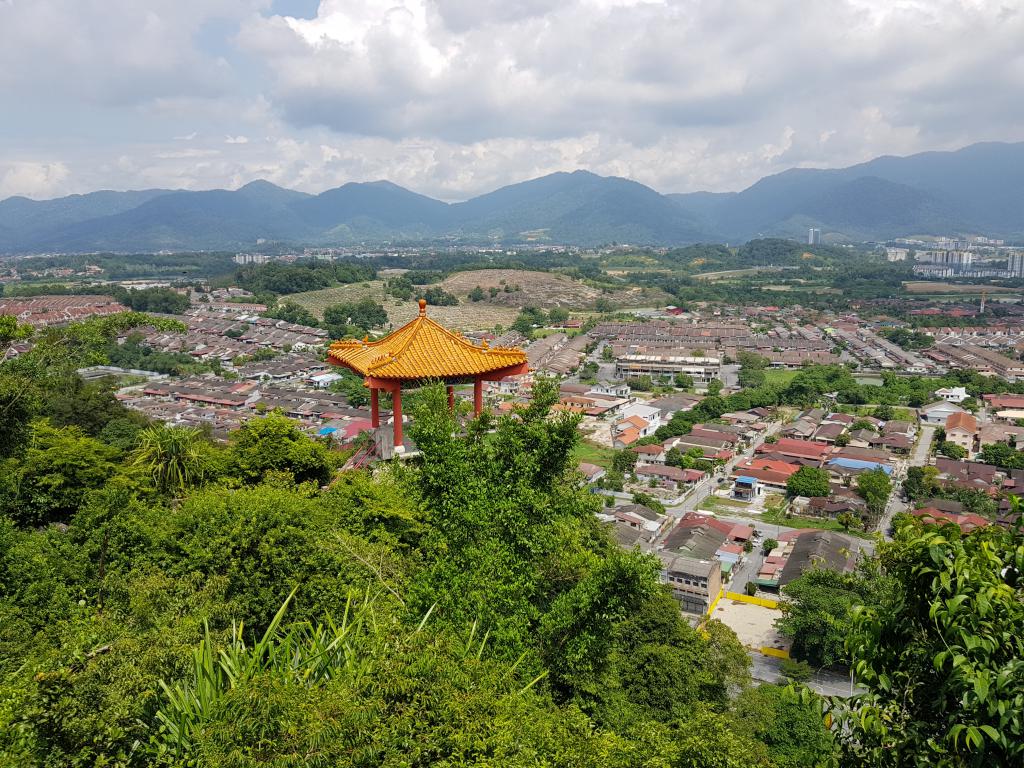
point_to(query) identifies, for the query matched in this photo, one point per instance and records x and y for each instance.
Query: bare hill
(545, 290)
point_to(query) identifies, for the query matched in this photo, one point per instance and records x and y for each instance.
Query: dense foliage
(941, 653)
(277, 277)
(198, 604)
(167, 600)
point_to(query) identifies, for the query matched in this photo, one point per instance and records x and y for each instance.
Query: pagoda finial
(423, 307)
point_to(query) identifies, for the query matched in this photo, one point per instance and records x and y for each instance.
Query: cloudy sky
(455, 97)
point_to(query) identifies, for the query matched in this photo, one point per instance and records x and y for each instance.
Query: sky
(452, 98)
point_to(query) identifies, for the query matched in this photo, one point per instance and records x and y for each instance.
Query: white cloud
(456, 97)
(32, 179)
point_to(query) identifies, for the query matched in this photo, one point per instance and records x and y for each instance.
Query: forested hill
(170, 601)
(976, 190)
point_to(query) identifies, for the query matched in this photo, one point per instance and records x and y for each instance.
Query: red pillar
(374, 407)
(478, 396)
(396, 410)
(451, 399)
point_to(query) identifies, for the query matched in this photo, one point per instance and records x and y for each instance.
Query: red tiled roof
(967, 522)
(964, 421)
(803, 448)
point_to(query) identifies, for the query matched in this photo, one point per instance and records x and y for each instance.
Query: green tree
(816, 613)
(874, 487)
(952, 450)
(683, 381)
(768, 545)
(558, 315)
(359, 316)
(292, 312)
(400, 287)
(808, 481)
(796, 671)
(884, 412)
(477, 294)
(793, 729)
(438, 297)
(921, 482)
(624, 460)
(714, 387)
(274, 444)
(941, 654)
(176, 457)
(58, 471)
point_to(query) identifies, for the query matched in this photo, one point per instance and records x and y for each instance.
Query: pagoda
(420, 352)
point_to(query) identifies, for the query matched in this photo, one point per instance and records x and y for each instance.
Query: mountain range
(976, 190)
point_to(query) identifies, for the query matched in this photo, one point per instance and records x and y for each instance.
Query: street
(919, 458)
(767, 669)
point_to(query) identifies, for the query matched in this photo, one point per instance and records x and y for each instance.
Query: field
(594, 454)
(779, 376)
(467, 316)
(546, 290)
(970, 289)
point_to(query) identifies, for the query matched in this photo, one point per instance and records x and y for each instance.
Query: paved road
(767, 669)
(923, 448)
(918, 459)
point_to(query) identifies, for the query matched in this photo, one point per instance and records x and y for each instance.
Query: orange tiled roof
(964, 421)
(422, 349)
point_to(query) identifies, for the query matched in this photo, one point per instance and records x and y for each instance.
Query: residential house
(611, 389)
(897, 443)
(650, 454)
(864, 438)
(847, 469)
(671, 478)
(961, 430)
(828, 432)
(802, 449)
(967, 522)
(670, 405)
(969, 474)
(952, 394)
(771, 474)
(937, 412)
(845, 419)
(685, 442)
(746, 488)
(896, 427)
(1011, 434)
(639, 516)
(800, 429)
(876, 455)
(592, 472)
(818, 549)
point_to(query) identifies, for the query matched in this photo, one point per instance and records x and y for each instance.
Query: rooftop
(423, 349)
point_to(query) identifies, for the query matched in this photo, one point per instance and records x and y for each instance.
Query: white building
(938, 412)
(952, 394)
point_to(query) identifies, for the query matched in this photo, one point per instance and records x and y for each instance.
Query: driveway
(923, 448)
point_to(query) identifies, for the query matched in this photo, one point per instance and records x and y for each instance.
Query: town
(737, 499)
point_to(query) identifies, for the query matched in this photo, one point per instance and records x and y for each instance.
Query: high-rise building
(814, 236)
(1016, 265)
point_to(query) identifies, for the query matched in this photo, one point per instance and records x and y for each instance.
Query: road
(767, 669)
(917, 459)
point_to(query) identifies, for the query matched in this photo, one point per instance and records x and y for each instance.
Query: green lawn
(898, 412)
(728, 506)
(779, 376)
(592, 453)
(823, 523)
(742, 509)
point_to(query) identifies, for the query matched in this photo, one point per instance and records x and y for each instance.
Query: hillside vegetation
(165, 600)
(975, 190)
